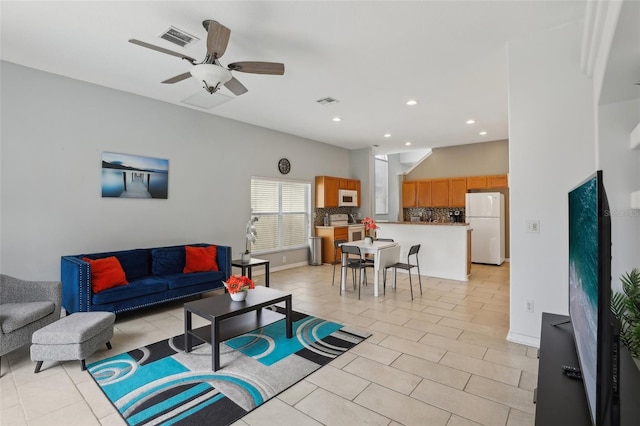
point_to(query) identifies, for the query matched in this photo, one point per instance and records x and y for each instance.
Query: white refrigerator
(484, 211)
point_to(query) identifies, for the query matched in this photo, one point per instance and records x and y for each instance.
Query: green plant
(626, 307)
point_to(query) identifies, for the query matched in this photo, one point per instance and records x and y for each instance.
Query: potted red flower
(369, 226)
(238, 286)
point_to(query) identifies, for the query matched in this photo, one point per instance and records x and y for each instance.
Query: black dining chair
(408, 266)
(355, 263)
(337, 257)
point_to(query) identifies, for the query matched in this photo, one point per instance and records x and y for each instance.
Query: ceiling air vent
(327, 101)
(178, 37)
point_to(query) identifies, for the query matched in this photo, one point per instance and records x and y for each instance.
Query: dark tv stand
(562, 401)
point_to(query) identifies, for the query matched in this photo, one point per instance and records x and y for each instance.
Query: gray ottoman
(76, 336)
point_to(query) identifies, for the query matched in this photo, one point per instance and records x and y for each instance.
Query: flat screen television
(590, 297)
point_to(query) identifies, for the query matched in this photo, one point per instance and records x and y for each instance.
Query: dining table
(374, 248)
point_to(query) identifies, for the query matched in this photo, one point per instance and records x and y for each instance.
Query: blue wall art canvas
(134, 176)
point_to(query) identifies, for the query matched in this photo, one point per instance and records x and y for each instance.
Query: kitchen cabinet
(497, 181)
(352, 184)
(457, 191)
(487, 182)
(446, 192)
(476, 182)
(423, 192)
(327, 188)
(327, 191)
(329, 234)
(409, 198)
(440, 192)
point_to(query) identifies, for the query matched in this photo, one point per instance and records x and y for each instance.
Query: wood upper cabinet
(497, 181)
(446, 192)
(352, 184)
(487, 182)
(409, 198)
(327, 191)
(476, 182)
(440, 192)
(457, 191)
(423, 192)
(327, 188)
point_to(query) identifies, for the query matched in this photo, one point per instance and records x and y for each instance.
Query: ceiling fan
(210, 71)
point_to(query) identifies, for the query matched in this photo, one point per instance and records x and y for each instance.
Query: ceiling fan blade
(217, 38)
(235, 87)
(273, 68)
(163, 50)
(177, 78)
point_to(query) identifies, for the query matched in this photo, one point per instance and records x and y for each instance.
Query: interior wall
(361, 161)
(618, 114)
(54, 130)
(552, 149)
(621, 175)
(487, 158)
(395, 178)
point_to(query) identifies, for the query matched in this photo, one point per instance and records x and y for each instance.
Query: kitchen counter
(430, 223)
(338, 226)
(445, 250)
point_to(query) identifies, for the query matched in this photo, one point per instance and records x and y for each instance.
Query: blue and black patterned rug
(161, 384)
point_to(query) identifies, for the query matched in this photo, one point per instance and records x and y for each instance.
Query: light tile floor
(441, 359)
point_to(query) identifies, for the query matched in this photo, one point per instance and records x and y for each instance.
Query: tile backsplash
(318, 213)
(441, 214)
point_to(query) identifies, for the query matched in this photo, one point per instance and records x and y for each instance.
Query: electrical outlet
(533, 226)
(528, 306)
(284, 259)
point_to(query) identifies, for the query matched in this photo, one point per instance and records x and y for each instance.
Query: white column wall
(551, 149)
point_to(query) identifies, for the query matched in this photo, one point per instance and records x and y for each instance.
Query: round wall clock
(284, 166)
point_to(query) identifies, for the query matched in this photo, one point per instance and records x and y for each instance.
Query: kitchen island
(445, 250)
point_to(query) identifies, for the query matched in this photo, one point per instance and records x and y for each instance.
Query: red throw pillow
(106, 273)
(200, 259)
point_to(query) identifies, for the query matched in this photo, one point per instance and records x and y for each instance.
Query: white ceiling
(370, 55)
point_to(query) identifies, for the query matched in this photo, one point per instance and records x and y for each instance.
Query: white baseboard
(523, 339)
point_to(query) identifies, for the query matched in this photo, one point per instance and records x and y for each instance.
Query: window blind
(283, 209)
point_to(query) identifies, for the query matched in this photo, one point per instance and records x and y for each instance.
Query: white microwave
(347, 198)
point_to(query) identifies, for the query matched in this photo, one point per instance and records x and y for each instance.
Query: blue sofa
(154, 274)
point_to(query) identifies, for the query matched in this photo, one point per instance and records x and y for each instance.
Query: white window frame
(383, 181)
(281, 232)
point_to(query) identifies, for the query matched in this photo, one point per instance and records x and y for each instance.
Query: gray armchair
(26, 306)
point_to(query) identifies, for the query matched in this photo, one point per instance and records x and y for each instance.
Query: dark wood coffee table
(230, 319)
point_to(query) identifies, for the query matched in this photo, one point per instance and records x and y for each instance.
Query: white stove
(356, 230)
(339, 219)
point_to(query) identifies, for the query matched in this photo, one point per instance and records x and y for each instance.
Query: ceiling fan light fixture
(213, 76)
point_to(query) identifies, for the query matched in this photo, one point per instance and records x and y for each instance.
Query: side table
(248, 266)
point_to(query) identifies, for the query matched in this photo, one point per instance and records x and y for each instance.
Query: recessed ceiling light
(471, 121)
(337, 119)
(412, 102)
(407, 143)
(387, 135)
(482, 133)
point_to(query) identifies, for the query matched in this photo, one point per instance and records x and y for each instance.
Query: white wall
(54, 131)
(621, 175)
(618, 112)
(551, 150)
(362, 168)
